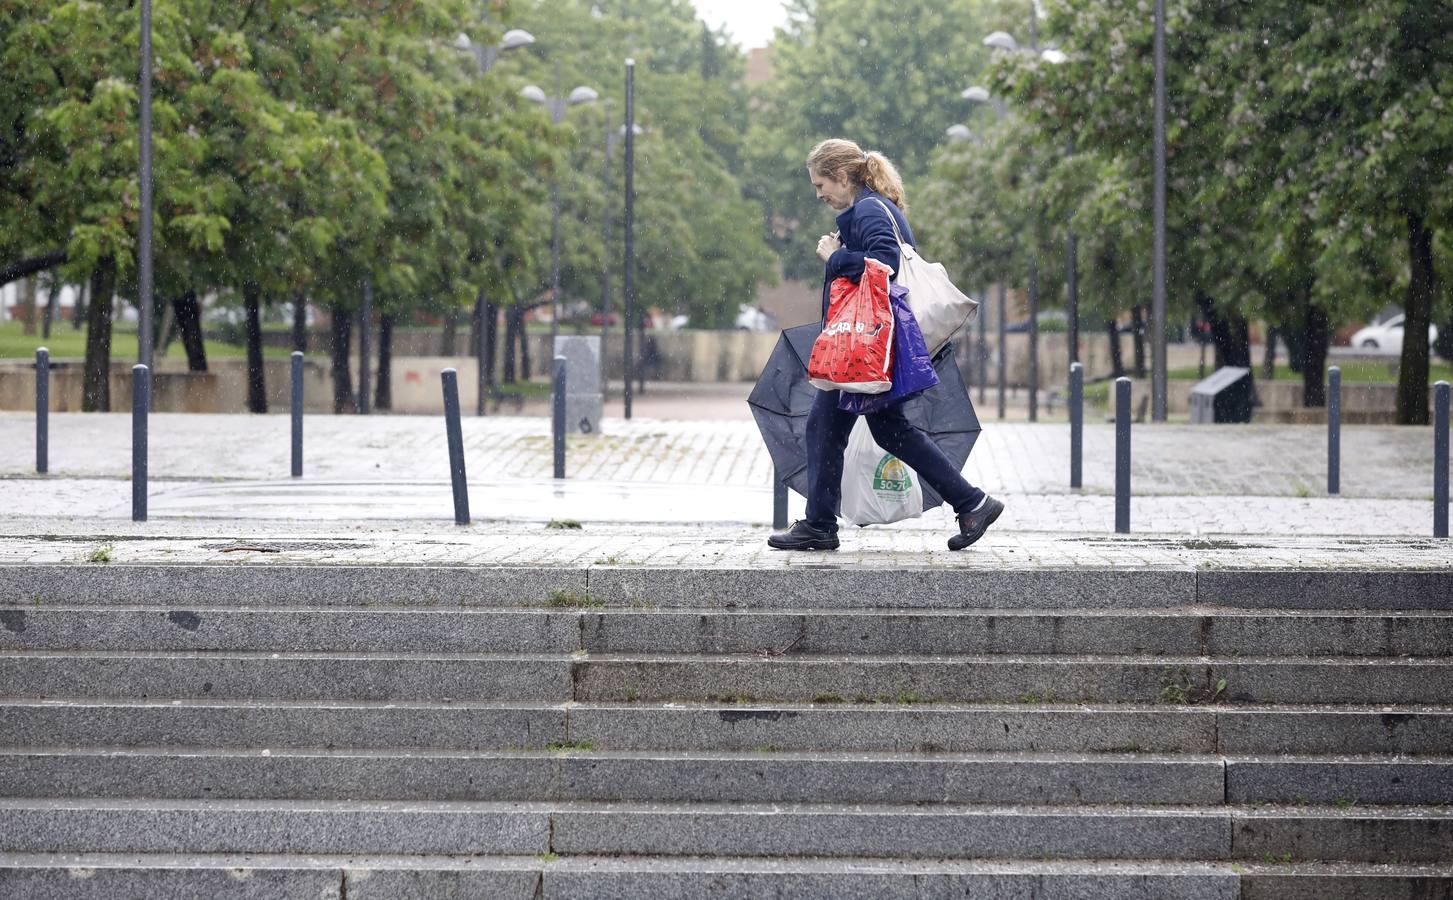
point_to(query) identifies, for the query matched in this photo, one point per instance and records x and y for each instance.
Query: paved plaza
(1195, 480)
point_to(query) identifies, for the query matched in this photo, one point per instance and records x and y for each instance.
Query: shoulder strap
(892, 220)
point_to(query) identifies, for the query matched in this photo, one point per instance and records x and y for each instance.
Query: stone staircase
(808, 731)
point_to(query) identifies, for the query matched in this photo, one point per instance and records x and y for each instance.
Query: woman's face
(837, 194)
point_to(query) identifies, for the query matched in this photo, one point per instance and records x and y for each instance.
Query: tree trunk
(450, 339)
(524, 336)
(96, 385)
(27, 267)
(1412, 401)
(1117, 359)
(50, 305)
(1268, 361)
(508, 376)
(1444, 345)
(340, 335)
(78, 312)
(256, 388)
(1316, 335)
(168, 328)
(1137, 334)
(491, 341)
(300, 322)
(1230, 333)
(383, 395)
(189, 323)
(476, 316)
(27, 294)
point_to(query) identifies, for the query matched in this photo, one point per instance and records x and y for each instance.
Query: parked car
(750, 318)
(1387, 336)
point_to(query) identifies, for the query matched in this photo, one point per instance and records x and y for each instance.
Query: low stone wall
(1281, 402)
(683, 356)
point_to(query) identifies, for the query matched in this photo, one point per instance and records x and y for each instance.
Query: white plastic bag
(877, 487)
(939, 307)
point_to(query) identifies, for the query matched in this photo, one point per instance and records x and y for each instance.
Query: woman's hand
(828, 245)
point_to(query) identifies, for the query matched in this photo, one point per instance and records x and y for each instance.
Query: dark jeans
(827, 437)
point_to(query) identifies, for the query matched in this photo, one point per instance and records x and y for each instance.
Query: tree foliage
(884, 73)
(1306, 143)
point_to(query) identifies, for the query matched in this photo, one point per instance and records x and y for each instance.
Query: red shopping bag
(854, 353)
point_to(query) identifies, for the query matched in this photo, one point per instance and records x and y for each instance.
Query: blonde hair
(843, 160)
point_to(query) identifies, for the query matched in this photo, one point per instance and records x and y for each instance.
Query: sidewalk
(735, 548)
(1185, 479)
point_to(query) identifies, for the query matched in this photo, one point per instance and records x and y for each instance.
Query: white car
(1387, 337)
(750, 318)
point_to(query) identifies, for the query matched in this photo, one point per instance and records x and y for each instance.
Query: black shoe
(972, 525)
(804, 536)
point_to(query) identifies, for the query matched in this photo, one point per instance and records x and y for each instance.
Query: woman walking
(865, 190)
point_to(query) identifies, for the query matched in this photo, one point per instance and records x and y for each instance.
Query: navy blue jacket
(865, 230)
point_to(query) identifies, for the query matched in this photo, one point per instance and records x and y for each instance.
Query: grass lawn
(1098, 394)
(1352, 372)
(68, 343)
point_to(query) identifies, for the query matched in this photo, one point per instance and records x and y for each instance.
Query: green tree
(884, 73)
(1287, 182)
(699, 245)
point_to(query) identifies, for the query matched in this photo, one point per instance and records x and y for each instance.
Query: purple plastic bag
(912, 366)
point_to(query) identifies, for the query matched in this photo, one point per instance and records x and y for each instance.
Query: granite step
(253, 877)
(731, 678)
(1306, 833)
(1066, 678)
(495, 725)
(581, 773)
(798, 587)
(287, 676)
(1174, 631)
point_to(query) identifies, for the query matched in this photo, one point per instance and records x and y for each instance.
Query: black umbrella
(782, 399)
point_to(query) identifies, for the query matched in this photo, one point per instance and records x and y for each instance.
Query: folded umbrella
(782, 398)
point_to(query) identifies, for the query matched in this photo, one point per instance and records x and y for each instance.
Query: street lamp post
(486, 56)
(484, 59)
(1002, 40)
(1157, 302)
(557, 105)
(1072, 290)
(144, 249)
(613, 136)
(1003, 340)
(979, 96)
(629, 268)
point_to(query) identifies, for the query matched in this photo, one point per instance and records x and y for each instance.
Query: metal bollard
(456, 446)
(779, 500)
(1440, 459)
(1077, 424)
(1334, 430)
(42, 410)
(1122, 455)
(140, 406)
(557, 419)
(297, 414)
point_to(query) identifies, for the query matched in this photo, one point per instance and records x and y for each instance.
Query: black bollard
(557, 419)
(1334, 430)
(1122, 455)
(1077, 424)
(456, 446)
(140, 406)
(779, 500)
(1440, 459)
(42, 410)
(297, 414)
